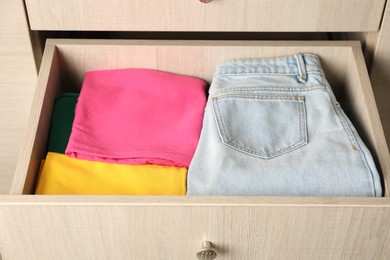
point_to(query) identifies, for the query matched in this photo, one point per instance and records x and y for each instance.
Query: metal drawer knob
(206, 253)
(205, 1)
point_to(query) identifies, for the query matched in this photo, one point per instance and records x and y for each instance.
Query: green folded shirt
(61, 122)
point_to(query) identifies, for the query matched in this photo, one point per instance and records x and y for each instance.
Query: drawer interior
(65, 62)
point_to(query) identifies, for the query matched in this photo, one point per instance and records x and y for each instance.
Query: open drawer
(131, 227)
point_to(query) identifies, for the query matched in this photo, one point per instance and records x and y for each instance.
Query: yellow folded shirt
(61, 174)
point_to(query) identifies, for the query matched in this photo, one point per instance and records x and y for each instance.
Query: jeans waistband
(298, 64)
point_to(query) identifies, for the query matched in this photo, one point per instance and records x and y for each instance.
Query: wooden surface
(48, 87)
(200, 201)
(18, 76)
(112, 227)
(380, 73)
(44, 230)
(219, 15)
(365, 110)
(70, 59)
(126, 227)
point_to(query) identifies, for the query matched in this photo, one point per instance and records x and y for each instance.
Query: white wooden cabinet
(18, 75)
(131, 227)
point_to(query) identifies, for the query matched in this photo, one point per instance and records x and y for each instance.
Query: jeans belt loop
(302, 77)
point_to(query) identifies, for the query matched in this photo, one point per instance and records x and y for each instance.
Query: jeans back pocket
(265, 126)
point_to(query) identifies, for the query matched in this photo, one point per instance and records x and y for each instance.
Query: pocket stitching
(226, 140)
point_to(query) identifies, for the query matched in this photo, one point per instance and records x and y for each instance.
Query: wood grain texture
(35, 140)
(368, 40)
(200, 201)
(367, 111)
(380, 73)
(219, 15)
(66, 61)
(141, 227)
(47, 231)
(18, 75)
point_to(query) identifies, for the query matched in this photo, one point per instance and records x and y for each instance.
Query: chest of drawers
(130, 227)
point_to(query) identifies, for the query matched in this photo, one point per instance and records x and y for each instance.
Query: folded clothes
(138, 116)
(62, 174)
(61, 122)
(273, 127)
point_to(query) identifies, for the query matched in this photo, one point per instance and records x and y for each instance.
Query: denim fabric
(273, 127)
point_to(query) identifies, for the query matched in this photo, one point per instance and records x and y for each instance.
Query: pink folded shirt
(138, 116)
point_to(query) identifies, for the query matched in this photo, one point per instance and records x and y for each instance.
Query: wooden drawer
(131, 227)
(219, 15)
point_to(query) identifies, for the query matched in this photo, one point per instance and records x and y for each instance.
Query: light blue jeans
(273, 127)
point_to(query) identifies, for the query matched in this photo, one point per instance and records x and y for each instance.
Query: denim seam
(303, 119)
(354, 141)
(337, 110)
(340, 113)
(259, 97)
(369, 169)
(218, 117)
(283, 57)
(243, 73)
(303, 134)
(279, 89)
(344, 121)
(301, 68)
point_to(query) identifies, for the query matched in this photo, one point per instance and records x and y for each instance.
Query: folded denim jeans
(273, 127)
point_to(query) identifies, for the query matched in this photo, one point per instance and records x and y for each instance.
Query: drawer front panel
(176, 232)
(219, 15)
